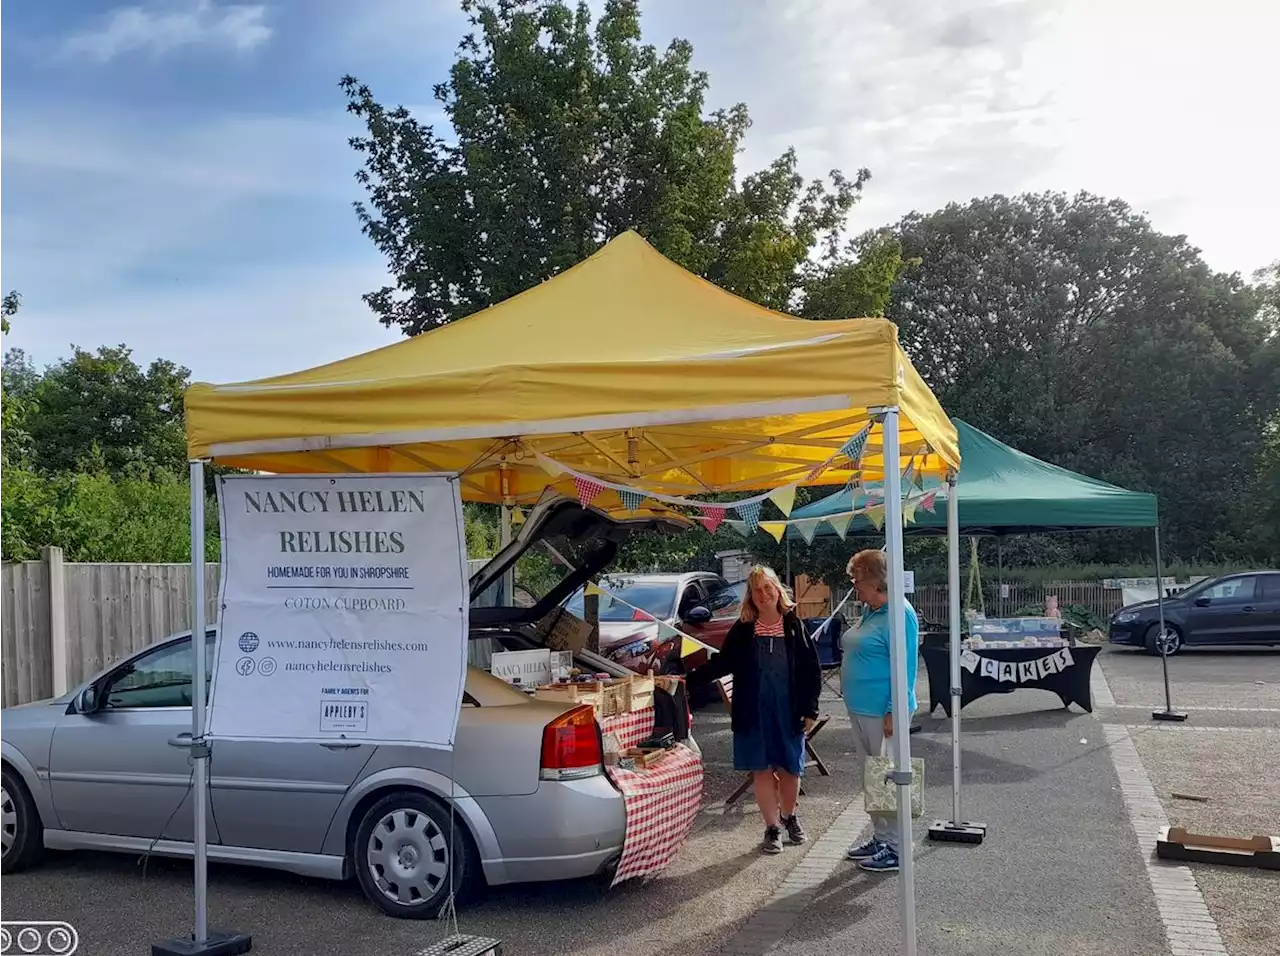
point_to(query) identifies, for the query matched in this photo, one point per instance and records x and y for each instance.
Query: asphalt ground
(1059, 873)
(1228, 751)
(119, 906)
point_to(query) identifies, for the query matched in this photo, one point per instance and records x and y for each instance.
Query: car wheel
(406, 850)
(23, 831)
(1172, 640)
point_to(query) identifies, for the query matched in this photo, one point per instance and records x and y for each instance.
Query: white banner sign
(1017, 672)
(344, 609)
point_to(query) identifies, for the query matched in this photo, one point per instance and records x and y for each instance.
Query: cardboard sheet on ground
(343, 609)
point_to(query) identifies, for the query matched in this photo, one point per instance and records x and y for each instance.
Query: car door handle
(182, 740)
(1249, 609)
(341, 745)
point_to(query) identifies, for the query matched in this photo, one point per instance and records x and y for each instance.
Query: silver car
(107, 767)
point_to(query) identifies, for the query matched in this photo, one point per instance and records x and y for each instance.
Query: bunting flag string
(712, 515)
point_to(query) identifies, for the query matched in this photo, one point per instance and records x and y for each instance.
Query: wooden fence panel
(24, 644)
(116, 609)
(112, 610)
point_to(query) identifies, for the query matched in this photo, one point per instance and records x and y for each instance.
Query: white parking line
(1188, 925)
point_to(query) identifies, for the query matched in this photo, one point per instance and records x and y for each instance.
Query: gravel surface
(716, 882)
(1240, 773)
(1060, 871)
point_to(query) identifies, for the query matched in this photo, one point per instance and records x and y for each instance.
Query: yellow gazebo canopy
(626, 367)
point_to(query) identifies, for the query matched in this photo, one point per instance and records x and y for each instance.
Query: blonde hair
(871, 565)
(749, 610)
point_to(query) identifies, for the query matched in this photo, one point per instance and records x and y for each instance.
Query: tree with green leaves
(1070, 328)
(100, 411)
(563, 134)
(8, 309)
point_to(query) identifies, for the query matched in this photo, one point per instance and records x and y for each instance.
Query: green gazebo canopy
(1004, 491)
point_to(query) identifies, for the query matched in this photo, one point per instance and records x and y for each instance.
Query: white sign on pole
(908, 582)
(344, 609)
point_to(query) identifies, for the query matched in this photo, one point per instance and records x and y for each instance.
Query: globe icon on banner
(248, 642)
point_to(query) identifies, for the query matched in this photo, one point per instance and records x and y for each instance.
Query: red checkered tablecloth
(661, 801)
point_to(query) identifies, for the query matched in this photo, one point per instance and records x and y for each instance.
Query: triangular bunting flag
(875, 515)
(775, 528)
(750, 514)
(517, 517)
(909, 475)
(592, 588)
(739, 526)
(586, 488)
(928, 501)
(909, 511)
(688, 647)
(807, 528)
(784, 498)
(919, 479)
(854, 446)
(840, 524)
(631, 500)
(713, 515)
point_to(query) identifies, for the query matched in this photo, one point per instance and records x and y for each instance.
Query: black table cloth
(1001, 670)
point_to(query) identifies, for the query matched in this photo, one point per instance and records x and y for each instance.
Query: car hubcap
(10, 819)
(408, 857)
(1168, 642)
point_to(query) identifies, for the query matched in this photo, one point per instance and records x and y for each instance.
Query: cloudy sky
(176, 175)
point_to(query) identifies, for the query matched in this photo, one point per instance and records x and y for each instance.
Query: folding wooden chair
(724, 686)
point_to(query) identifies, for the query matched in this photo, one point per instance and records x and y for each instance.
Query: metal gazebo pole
(1168, 713)
(201, 942)
(901, 741)
(955, 830)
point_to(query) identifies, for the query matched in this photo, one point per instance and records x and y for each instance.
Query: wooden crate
(595, 693)
(639, 694)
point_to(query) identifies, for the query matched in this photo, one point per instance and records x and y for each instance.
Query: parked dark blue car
(1241, 609)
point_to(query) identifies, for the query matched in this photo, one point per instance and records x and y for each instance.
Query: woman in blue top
(865, 678)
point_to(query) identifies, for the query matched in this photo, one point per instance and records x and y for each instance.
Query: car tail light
(571, 746)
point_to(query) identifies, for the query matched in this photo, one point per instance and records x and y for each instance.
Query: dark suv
(1234, 609)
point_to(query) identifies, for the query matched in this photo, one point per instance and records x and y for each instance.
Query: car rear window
(656, 598)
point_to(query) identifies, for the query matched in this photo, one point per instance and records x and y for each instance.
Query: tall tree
(561, 136)
(1070, 328)
(857, 284)
(100, 411)
(8, 309)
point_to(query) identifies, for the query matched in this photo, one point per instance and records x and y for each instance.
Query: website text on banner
(343, 609)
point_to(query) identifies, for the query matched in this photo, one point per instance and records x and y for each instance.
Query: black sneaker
(772, 840)
(795, 832)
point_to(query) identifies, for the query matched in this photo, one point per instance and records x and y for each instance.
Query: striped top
(769, 630)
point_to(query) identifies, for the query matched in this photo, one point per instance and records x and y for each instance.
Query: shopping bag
(881, 795)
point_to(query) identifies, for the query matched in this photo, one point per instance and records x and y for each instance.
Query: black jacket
(738, 657)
